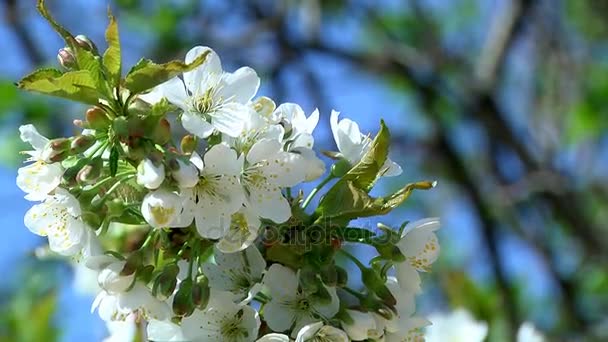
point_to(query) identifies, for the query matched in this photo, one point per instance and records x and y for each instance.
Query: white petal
(212, 67)
(239, 86)
(281, 281)
(262, 150)
(408, 277)
(39, 179)
(390, 169)
(187, 175)
(419, 243)
(165, 331)
(196, 125)
(284, 169)
(222, 160)
(150, 175)
(267, 201)
(331, 309)
(528, 333)
(175, 92)
(230, 118)
(30, 134)
(278, 317)
(274, 338)
(362, 323)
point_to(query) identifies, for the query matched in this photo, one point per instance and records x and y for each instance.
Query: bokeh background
(501, 101)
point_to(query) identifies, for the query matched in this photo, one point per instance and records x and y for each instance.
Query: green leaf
(111, 58)
(147, 74)
(114, 160)
(364, 173)
(347, 202)
(86, 60)
(65, 34)
(73, 85)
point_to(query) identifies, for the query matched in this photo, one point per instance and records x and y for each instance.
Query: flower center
(231, 327)
(161, 214)
(204, 104)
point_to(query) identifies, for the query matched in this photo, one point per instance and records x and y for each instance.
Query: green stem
(151, 237)
(352, 258)
(316, 190)
(356, 294)
(118, 176)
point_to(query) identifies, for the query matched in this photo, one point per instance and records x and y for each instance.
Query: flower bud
(139, 106)
(56, 157)
(59, 144)
(149, 174)
(188, 143)
(90, 172)
(85, 43)
(66, 58)
(111, 280)
(165, 283)
(186, 174)
(201, 292)
(121, 127)
(97, 119)
(162, 132)
(182, 302)
(132, 264)
(340, 168)
(82, 143)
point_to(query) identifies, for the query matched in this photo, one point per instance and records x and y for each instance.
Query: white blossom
(149, 174)
(39, 178)
(162, 208)
(458, 325)
(111, 279)
(57, 218)
(218, 193)
(290, 307)
(210, 98)
(298, 136)
(352, 144)
(243, 231)
(221, 321)
(238, 273)
(403, 326)
(419, 245)
(138, 300)
(267, 169)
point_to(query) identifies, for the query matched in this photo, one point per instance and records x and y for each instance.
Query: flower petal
(196, 125)
(239, 86)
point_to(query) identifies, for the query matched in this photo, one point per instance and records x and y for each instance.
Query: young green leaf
(147, 74)
(365, 172)
(111, 58)
(74, 85)
(347, 202)
(65, 34)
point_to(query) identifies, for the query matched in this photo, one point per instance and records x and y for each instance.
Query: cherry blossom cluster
(181, 194)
